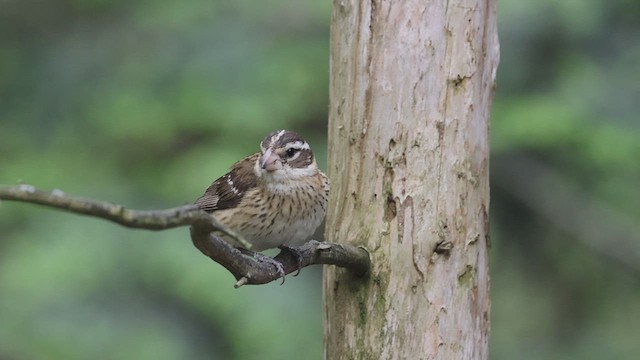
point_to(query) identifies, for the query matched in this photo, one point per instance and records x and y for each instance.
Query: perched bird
(274, 198)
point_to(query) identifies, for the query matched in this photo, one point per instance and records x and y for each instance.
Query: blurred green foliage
(145, 103)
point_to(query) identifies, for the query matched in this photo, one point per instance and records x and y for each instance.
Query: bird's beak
(270, 161)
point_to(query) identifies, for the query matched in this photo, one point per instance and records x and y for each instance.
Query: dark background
(145, 103)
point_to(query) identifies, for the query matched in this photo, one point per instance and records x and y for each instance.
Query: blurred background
(145, 103)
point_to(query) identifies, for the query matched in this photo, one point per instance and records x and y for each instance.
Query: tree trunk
(411, 88)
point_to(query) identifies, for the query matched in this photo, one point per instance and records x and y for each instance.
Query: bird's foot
(268, 259)
(295, 253)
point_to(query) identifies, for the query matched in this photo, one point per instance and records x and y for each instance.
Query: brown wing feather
(228, 190)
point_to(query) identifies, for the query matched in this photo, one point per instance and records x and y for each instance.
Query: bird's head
(285, 156)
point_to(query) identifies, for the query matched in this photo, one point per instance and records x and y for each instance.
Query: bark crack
(441, 125)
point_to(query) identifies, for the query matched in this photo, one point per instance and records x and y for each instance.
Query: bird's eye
(291, 152)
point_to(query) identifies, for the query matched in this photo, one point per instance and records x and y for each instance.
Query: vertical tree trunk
(411, 88)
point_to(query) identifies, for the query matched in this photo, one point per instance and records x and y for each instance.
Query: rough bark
(411, 88)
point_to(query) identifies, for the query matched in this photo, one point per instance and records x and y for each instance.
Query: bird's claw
(272, 261)
(295, 253)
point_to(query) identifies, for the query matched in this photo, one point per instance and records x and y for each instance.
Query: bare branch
(253, 271)
(245, 268)
(137, 219)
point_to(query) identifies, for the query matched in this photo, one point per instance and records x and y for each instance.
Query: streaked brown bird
(274, 198)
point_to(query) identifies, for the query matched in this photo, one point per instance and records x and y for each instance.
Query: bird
(275, 198)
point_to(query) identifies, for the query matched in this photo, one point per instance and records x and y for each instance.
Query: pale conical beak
(270, 161)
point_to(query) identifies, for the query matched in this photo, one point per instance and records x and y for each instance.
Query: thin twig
(137, 219)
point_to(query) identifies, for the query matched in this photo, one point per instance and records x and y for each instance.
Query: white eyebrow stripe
(298, 145)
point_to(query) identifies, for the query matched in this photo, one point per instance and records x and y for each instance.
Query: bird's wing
(228, 190)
